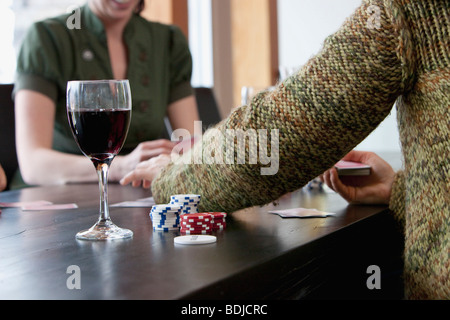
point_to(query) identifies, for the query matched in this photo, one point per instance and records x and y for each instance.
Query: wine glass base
(104, 231)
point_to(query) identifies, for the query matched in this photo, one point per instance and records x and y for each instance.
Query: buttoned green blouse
(159, 69)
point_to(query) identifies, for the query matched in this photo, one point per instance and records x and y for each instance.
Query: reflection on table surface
(258, 255)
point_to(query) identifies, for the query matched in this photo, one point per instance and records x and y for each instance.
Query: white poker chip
(195, 239)
(165, 228)
(185, 196)
(167, 207)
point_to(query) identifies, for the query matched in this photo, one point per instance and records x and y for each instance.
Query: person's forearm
(321, 113)
(45, 167)
(53, 167)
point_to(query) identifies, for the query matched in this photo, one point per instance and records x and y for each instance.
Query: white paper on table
(139, 203)
(24, 203)
(49, 207)
(302, 213)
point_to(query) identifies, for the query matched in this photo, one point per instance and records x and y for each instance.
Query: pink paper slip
(24, 203)
(49, 207)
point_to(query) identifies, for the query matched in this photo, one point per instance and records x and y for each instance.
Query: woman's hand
(372, 189)
(146, 171)
(122, 165)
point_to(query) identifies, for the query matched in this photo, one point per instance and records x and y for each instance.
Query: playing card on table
(302, 213)
(24, 203)
(140, 203)
(49, 207)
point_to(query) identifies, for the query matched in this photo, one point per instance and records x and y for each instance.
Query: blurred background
(234, 43)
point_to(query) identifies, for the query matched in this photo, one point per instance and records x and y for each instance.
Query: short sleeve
(180, 66)
(37, 64)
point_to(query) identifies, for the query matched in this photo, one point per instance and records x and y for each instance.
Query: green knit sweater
(386, 52)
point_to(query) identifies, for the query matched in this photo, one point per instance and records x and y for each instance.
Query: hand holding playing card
(372, 189)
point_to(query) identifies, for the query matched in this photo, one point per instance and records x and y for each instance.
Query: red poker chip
(190, 225)
(196, 227)
(196, 232)
(197, 216)
(188, 229)
(198, 223)
(217, 215)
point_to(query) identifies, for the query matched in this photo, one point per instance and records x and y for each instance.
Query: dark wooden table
(258, 256)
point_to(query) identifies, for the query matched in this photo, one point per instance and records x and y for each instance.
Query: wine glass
(99, 115)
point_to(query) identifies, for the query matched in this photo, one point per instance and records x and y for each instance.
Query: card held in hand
(351, 168)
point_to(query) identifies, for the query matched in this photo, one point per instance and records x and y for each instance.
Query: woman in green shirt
(111, 41)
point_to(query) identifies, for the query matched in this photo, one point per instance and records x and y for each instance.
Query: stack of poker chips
(188, 201)
(166, 217)
(218, 220)
(182, 214)
(196, 223)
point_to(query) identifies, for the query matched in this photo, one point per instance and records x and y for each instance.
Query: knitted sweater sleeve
(310, 121)
(397, 200)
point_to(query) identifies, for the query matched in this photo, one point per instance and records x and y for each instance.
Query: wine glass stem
(102, 172)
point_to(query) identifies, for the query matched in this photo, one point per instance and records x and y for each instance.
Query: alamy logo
(231, 146)
(374, 280)
(74, 20)
(374, 20)
(74, 280)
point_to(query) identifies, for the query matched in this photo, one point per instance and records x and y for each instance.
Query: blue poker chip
(166, 226)
(189, 212)
(167, 214)
(177, 201)
(164, 229)
(165, 211)
(161, 218)
(315, 184)
(185, 196)
(166, 207)
(187, 203)
(166, 220)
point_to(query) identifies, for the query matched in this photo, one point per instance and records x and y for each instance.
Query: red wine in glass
(99, 114)
(100, 134)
